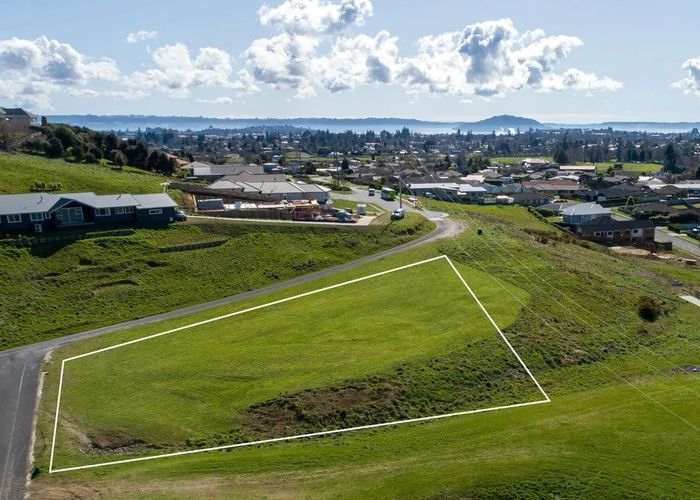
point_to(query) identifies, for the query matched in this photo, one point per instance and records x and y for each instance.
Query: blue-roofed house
(41, 212)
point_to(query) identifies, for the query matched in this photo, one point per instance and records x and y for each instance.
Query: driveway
(20, 367)
(663, 235)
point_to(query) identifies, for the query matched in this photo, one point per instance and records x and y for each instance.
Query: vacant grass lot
(181, 388)
(56, 289)
(18, 172)
(614, 380)
(628, 167)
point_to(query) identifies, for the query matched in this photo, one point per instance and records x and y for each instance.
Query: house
(206, 171)
(584, 212)
(531, 198)
(273, 187)
(620, 192)
(41, 212)
(17, 116)
(619, 232)
(570, 169)
(557, 187)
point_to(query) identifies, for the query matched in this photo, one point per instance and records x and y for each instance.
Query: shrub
(649, 309)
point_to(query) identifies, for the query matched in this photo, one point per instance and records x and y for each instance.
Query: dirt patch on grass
(325, 408)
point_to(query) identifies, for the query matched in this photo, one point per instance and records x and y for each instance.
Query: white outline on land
(299, 436)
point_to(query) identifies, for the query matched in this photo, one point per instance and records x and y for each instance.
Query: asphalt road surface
(20, 367)
(664, 235)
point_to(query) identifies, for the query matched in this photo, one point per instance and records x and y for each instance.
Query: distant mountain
(501, 124)
(134, 122)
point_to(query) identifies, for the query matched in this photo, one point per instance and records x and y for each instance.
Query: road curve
(20, 367)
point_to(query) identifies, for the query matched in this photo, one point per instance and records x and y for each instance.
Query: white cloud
(217, 100)
(141, 36)
(284, 61)
(30, 70)
(316, 16)
(175, 72)
(493, 58)
(691, 83)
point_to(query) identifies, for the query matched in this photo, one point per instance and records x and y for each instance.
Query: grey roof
(586, 209)
(48, 202)
(102, 201)
(14, 112)
(27, 203)
(157, 200)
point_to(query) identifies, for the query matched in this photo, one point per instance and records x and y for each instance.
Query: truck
(388, 194)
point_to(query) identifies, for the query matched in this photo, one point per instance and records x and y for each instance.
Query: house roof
(609, 224)
(27, 203)
(586, 209)
(48, 202)
(156, 200)
(103, 201)
(14, 112)
(530, 195)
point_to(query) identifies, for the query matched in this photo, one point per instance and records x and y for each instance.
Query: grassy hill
(622, 422)
(56, 289)
(18, 172)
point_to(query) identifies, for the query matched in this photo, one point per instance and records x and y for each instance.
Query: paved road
(664, 235)
(20, 367)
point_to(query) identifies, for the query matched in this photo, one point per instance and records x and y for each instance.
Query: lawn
(56, 289)
(615, 427)
(627, 167)
(510, 160)
(18, 172)
(344, 353)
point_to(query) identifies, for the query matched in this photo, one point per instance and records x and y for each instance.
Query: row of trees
(82, 145)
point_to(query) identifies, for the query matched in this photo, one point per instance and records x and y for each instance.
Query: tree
(345, 165)
(670, 158)
(55, 148)
(119, 158)
(90, 157)
(44, 121)
(560, 156)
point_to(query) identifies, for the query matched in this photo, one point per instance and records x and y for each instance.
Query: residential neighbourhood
(324, 249)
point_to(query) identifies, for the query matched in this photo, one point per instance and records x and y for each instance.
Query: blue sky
(554, 61)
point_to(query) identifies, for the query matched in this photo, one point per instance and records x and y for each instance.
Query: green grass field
(204, 385)
(62, 288)
(510, 160)
(18, 172)
(627, 167)
(620, 423)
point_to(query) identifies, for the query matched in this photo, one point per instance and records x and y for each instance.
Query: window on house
(119, 210)
(155, 211)
(36, 216)
(597, 233)
(636, 231)
(14, 218)
(128, 210)
(102, 212)
(610, 234)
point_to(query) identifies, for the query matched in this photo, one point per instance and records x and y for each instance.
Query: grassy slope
(19, 171)
(630, 167)
(598, 435)
(200, 381)
(57, 289)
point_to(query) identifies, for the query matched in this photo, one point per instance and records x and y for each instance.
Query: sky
(448, 60)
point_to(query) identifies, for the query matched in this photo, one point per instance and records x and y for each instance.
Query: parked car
(397, 214)
(370, 192)
(180, 215)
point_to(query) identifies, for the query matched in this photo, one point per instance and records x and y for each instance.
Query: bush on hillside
(649, 309)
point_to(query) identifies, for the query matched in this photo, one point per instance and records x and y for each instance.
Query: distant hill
(501, 124)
